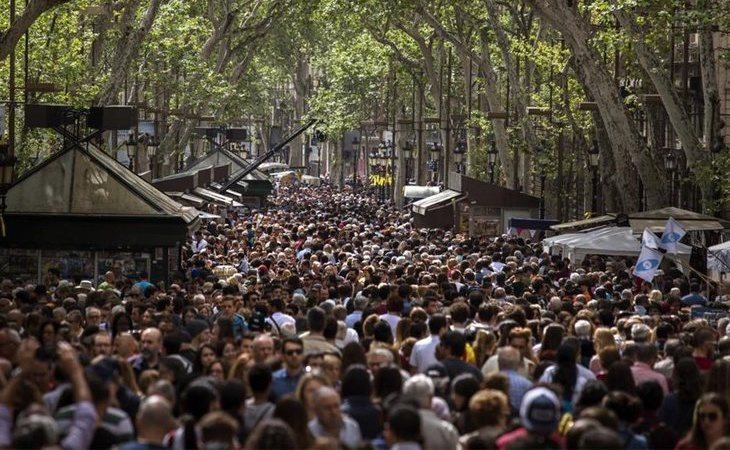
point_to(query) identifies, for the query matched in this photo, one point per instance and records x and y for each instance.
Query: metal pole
(542, 194)
(594, 200)
(11, 89)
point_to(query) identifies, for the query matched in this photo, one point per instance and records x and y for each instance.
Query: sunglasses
(298, 351)
(711, 416)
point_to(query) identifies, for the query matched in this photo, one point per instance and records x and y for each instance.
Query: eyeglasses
(293, 352)
(710, 416)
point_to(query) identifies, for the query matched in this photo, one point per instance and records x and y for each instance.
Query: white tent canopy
(558, 244)
(718, 257)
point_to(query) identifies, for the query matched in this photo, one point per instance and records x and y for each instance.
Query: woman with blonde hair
(484, 345)
(308, 385)
(602, 338)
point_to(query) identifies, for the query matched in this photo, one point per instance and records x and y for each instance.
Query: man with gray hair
(360, 302)
(510, 360)
(330, 422)
(437, 434)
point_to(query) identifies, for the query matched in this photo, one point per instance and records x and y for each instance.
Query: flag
(673, 232)
(648, 263)
(651, 240)
(532, 233)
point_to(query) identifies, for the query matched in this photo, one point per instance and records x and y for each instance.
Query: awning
(421, 206)
(205, 215)
(586, 223)
(657, 225)
(217, 198)
(531, 224)
(419, 191)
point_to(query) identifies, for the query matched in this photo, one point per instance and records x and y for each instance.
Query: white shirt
(349, 431)
(200, 245)
(392, 320)
(423, 354)
(280, 321)
(583, 376)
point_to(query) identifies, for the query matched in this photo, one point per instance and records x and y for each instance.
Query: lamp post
(459, 150)
(7, 166)
(355, 154)
(540, 150)
(492, 158)
(593, 157)
(670, 164)
(408, 154)
(433, 163)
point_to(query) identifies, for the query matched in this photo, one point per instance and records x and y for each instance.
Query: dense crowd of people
(326, 321)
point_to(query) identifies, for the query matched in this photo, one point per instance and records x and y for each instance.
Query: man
(151, 346)
(154, 421)
(228, 311)
(102, 344)
(330, 422)
(519, 338)
(437, 433)
(450, 351)
(109, 282)
(694, 297)
(423, 354)
(360, 303)
(509, 359)
(539, 417)
(314, 341)
(646, 356)
(93, 317)
(263, 348)
(143, 284)
(403, 428)
(283, 324)
(258, 407)
(378, 358)
(199, 243)
(285, 380)
(703, 347)
(9, 344)
(394, 308)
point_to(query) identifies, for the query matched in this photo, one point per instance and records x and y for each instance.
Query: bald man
(330, 422)
(151, 346)
(510, 359)
(154, 420)
(263, 348)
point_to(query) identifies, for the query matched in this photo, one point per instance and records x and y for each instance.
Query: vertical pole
(447, 144)
(11, 89)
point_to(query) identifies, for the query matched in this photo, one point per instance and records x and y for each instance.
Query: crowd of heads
(326, 320)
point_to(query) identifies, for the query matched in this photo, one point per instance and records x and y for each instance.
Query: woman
(199, 399)
(387, 380)
(620, 378)
(308, 385)
(353, 354)
(292, 412)
(357, 402)
(48, 335)
(227, 351)
(676, 410)
(206, 355)
(484, 345)
(551, 339)
(217, 371)
(121, 323)
(602, 338)
(463, 388)
(710, 423)
(566, 375)
(273, 434)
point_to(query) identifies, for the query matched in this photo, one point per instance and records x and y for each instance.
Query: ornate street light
(593, 157)
(492, 158)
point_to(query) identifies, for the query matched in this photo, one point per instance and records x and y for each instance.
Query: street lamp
(408, 154)
(492, 158)
(459, 150)
(355, 155)
(540, 150)
(593, 157)
(433, 163)
(7, 166)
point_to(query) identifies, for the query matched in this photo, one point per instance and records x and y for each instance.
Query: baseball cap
(540, 411)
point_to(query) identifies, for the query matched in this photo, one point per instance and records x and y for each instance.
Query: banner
(647, 264)
(651, 240)
(673, 232)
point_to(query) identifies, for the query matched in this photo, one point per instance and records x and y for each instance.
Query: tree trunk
(697, 157)
(127, 51)
(10, 36)
(627, 145)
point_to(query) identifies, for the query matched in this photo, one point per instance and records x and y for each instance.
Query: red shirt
(703, 363)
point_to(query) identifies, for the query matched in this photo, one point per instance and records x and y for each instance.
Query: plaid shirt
(518, 387)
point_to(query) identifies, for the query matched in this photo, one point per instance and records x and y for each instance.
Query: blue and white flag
(647, 264)
(651, 240)
(673, 232)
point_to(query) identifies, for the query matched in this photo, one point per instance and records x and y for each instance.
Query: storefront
(80, 214)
